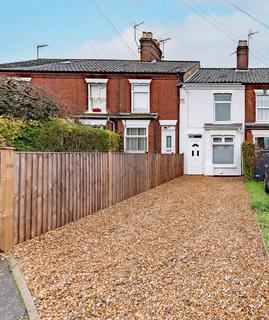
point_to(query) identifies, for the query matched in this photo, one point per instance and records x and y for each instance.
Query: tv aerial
(38, 47)
(163, 42)
(136, 25)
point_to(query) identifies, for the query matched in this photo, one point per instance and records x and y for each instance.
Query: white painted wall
(196, 109)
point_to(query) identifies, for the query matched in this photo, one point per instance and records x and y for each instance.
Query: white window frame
(136, 124)
(25, 79)
(260, 93)
(223, 143)
(216, 102)
(140, 82)
(91, 82)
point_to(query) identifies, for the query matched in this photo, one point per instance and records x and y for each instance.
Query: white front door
(168, 139)
(195, 155)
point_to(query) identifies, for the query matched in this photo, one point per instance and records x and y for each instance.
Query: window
(262, 143)
(140, 96)
(222, 107)
(223, 150)
(136, 140)
(168, 142)
(97, 95)
(262, 105)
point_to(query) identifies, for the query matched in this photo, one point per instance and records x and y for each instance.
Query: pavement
(11, 304)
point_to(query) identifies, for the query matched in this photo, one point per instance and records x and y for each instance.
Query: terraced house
(220, 108)
(163, 106)
(138, 99)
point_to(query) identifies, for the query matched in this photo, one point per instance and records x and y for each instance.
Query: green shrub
(19, 99)
(249, 160)
(10, 131)
(58, 135)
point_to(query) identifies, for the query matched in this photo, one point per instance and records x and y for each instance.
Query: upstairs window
(223, 150)
(262, 105)
(222, 110)
(140, 96)
(97, 95)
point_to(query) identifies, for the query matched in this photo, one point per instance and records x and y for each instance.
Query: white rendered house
(212, 117)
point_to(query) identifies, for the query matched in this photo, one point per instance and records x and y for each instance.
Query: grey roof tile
(100, 66)
(230, 75)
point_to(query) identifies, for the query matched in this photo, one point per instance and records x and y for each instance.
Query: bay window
(262, 105)
(223, 150)
(222, 107)
(97, 95)
(140, 90)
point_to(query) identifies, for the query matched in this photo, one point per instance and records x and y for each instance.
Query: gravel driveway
(189, 249)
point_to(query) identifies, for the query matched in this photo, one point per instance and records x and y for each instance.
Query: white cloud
(195, 39)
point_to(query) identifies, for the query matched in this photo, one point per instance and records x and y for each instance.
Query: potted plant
(96, 110)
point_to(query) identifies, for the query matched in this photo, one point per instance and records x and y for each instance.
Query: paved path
(11, 304)
(189, 249)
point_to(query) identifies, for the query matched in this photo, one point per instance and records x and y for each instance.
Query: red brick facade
(149, 48)
(242, 55)
(250, 106)
(72, 90)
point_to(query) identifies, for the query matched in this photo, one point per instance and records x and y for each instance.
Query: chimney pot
(149, 48)
(147, 35)
(242, 55)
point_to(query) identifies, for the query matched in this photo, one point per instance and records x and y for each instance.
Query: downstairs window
(262, 143)
(136, 140)
(223, 150)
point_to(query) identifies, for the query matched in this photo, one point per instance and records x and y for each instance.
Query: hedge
(249, 160)
(56, 135)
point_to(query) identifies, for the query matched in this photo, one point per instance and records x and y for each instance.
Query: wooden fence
(49, 190)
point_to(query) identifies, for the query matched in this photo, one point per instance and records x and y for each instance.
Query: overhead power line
(113, 28)
(39, 24)
(258, 55)
(248, 14)
(208, 20)
(82, 31)
(219, 26)
(118, 12)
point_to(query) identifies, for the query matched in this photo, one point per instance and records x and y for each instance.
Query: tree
(19, 99)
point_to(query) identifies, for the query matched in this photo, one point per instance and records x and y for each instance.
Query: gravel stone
(188, 249)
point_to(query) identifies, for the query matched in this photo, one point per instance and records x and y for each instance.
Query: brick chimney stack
(149, 48)
(242, 55)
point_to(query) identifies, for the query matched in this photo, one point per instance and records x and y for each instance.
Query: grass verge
(260, 203)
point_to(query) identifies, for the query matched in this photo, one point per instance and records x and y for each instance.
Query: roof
(100, 66)
(230, 75)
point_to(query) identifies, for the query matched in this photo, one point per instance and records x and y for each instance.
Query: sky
(202, 30)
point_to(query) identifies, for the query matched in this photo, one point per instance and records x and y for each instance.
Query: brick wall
(72, 91)
(250, 106)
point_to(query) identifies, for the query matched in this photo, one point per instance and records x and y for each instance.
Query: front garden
(31, 120)
(260, 203)
(258, 197)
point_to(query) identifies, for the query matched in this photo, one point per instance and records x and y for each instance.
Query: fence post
(6, 197)
(148, 171)
(110, 178)
(158, 168)
(173, 157)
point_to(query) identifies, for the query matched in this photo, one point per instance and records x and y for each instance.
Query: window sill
(96, 112)
(135, 152)
(141, 111)
(222, 122)
(226, 166)
(262, 121)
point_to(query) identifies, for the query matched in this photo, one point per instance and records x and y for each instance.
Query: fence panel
(53, 189)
